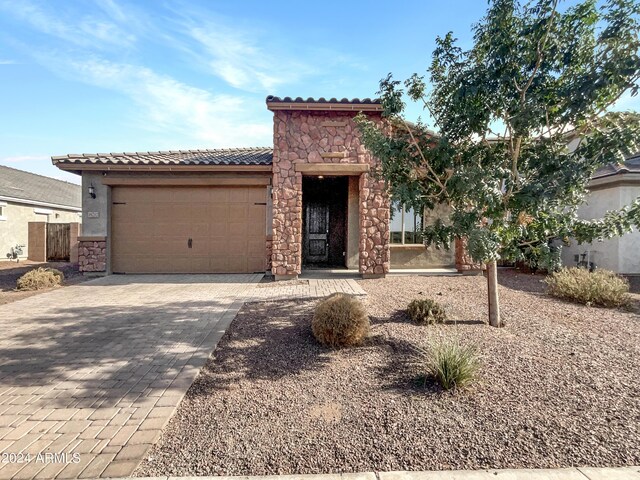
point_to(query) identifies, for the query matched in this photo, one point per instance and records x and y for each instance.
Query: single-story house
(27, 198)
(611, 188)
(309, 201)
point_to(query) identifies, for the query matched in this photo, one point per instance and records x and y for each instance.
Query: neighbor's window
(406, 225)
(3, 208)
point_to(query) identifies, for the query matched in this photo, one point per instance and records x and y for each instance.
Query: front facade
(611, 188)
(311, 201)
(27, 198)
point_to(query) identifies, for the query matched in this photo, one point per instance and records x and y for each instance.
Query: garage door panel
(238, 229)
(238, 263)
(258, 195)
(238, 212)
(256, 263)
(151, 230)
(167, 230)
(219, 263)
(238, 195)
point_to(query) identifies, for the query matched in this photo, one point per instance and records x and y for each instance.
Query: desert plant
(426, 311)
(340, 320)
(601, 287)
(40, 278)
(453, 364)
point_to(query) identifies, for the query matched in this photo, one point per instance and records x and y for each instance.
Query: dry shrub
(452, 363)
(340, 320)
(601, 287)
(426, 311)
(40, 278)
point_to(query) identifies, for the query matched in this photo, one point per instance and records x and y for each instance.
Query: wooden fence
(58, 242)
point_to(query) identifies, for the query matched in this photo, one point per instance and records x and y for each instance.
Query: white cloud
(85, 31)
(7, 62)
(167, 105)
(244, 57)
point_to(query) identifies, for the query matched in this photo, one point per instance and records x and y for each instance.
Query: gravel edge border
(575, 473)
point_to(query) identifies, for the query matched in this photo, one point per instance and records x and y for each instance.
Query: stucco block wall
(14, 229)
(324, 137)
(619, 254)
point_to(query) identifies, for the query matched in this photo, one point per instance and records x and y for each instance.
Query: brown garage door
(188, 229)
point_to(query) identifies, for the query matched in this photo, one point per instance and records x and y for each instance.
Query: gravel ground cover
(11, 271)
(559, 387)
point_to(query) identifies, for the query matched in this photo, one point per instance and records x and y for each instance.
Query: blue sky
(117, 75)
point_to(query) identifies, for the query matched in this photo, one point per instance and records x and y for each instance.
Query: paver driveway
(97, 369)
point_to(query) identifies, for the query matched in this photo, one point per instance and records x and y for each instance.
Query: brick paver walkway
(304, 288)
(97, 369)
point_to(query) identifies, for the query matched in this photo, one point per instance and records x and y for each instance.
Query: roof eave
(78, 168)
(325, 106)
(614, 180)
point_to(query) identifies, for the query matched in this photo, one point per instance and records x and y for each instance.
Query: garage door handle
(190, 243)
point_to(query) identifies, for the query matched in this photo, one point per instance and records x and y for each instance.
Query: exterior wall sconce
(92, 191)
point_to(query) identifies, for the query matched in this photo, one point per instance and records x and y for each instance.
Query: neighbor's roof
(630, 165)
(229, 156)
(27, 186)
(299, 103)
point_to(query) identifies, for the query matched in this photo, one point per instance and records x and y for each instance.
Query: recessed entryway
(324, 221)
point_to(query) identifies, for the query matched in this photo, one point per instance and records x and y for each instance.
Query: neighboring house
(611, 188)
(26, 197)
(308, 202)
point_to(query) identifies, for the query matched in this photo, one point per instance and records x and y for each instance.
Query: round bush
(40, 278)
(426, 311)
(602, 287)
(340, 320)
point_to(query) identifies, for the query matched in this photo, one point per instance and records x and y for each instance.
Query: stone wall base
(290, 276)
(92, 255)
(370, 276)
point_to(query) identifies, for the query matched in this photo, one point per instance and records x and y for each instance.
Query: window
(406, 225)
(3, 211)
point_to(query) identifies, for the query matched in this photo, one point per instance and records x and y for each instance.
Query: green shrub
(601, 287)
(40, 278)
(451, 363)
(426, 311)
(340, 320)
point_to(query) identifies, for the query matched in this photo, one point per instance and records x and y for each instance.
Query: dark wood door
(317, 232)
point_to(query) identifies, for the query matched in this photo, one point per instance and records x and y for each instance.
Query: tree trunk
(494, 303)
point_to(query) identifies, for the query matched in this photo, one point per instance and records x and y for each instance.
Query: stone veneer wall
(323, 137)
(464, 262)
(92, 256)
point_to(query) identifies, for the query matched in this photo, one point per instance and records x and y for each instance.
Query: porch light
(92, 191)
(320, 177)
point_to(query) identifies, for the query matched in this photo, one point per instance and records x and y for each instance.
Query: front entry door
(317, 233)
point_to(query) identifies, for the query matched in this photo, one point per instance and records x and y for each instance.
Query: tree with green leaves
(522, 121)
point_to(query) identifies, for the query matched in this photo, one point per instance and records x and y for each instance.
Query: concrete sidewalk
(580, 473)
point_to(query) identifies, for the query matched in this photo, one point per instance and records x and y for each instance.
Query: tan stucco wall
(15, 228)
(419, 256)
(622, 255)
(353, 222)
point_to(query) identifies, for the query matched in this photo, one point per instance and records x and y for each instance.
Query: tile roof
(630, 165)
(274, 99)
(229, 156)
(37, 188)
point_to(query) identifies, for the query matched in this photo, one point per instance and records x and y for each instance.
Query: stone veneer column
(464, 262)
(92, 254)
(374, 227)
(286, 247)
(323, 137)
